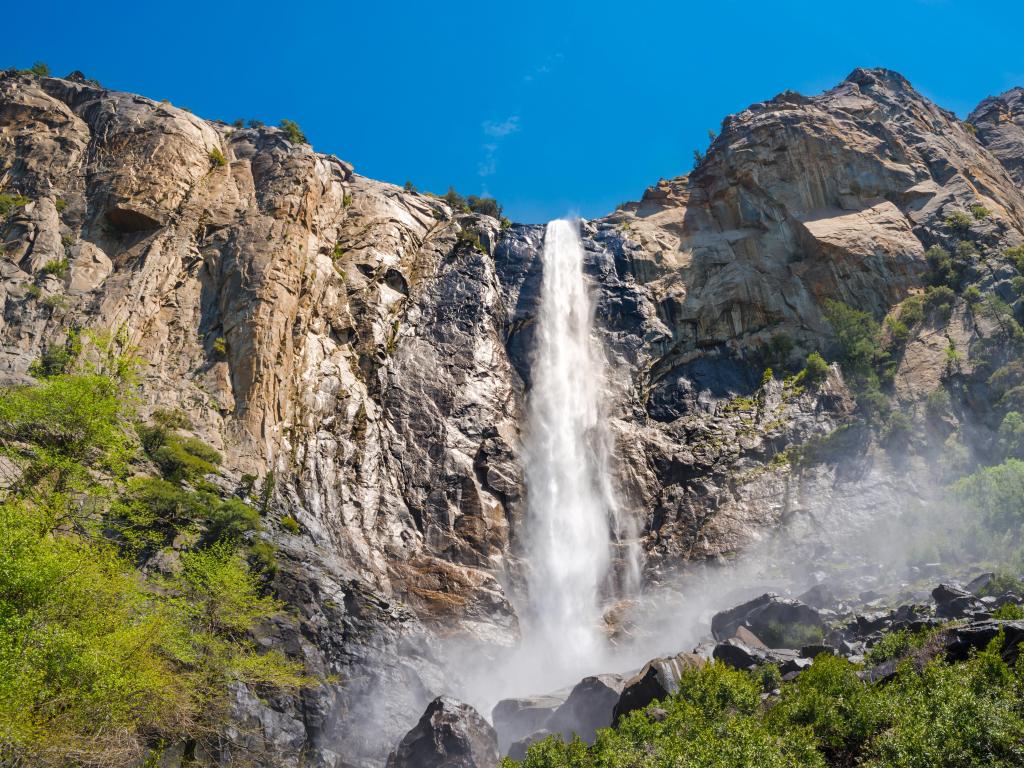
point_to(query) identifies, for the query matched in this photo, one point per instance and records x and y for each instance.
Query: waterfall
(571, 506)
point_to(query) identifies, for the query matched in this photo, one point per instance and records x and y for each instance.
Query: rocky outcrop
(776, 621)
(999, 124)
(449, 735)
(658, 679)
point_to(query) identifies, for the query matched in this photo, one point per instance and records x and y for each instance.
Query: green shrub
(9, 202)
(220, 347)
(455, 200)
(1015, 255)
(930, 715)
(179, 458)
(965, 251)
(912, 310)
(217, 158)
(972, 295)
(1009, 612)
(938, 404)
(997, 495)
(941, 264)
(40, 68)
(78, 418)
(1010, 438)
(60, 204)
(232, 519)
(290, 524)
(959, 222)
(980, 212)
(410, 188)
(56, 267)
(816, 370)
(770, 677)
(940, 300)
(346, 200)
(487, 206)
(469, 237)
(292, 132)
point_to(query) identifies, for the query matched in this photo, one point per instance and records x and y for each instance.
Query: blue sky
(553, 107)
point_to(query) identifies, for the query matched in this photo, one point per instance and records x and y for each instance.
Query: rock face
(449, 735)
(346, 339)
(777, 622)
(999, 123)
(658, 679)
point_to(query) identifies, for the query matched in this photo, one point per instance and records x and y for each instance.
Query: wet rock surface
(449, 735)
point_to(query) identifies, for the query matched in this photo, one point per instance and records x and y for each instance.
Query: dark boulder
(589, 707)
(778, 622)
(976, 585)
(819, 596)
(739, 655)
(962, 640)
(449, 735)
(658, 679)
(515, 719)
(954, 602)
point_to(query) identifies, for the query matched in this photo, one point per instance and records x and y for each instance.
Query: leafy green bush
(997, 495)
(293, 133)
(68, 418)
(487, 206)
(469, 237)
(941, 263)
(9, 202)
(1010, 438)
(290, 524)
(220, 347)
(1016, 256)
(959, 222)
(816, 370)
(938, 403)
(980, 212)
(40, 68)
(217, 158)
(179, 458)
(940, 300)
(1008, 612)
(56, 267)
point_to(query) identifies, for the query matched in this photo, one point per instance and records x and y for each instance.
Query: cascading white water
(570, 503)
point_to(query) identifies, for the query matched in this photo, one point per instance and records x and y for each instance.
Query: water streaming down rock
(570, 500)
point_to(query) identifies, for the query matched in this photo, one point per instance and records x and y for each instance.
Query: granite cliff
(368, 348)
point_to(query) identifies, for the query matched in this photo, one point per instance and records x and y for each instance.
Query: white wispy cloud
(496, 131)
(500, 130)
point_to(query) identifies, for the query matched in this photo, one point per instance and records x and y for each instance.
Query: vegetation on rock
(104, 663)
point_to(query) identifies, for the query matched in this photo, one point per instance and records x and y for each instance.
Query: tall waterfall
(570, 502)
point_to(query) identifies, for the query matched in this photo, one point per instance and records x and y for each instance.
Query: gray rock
(449, 735)
(515, 719)
(776, 621)
(589, 707)
(658, 679)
